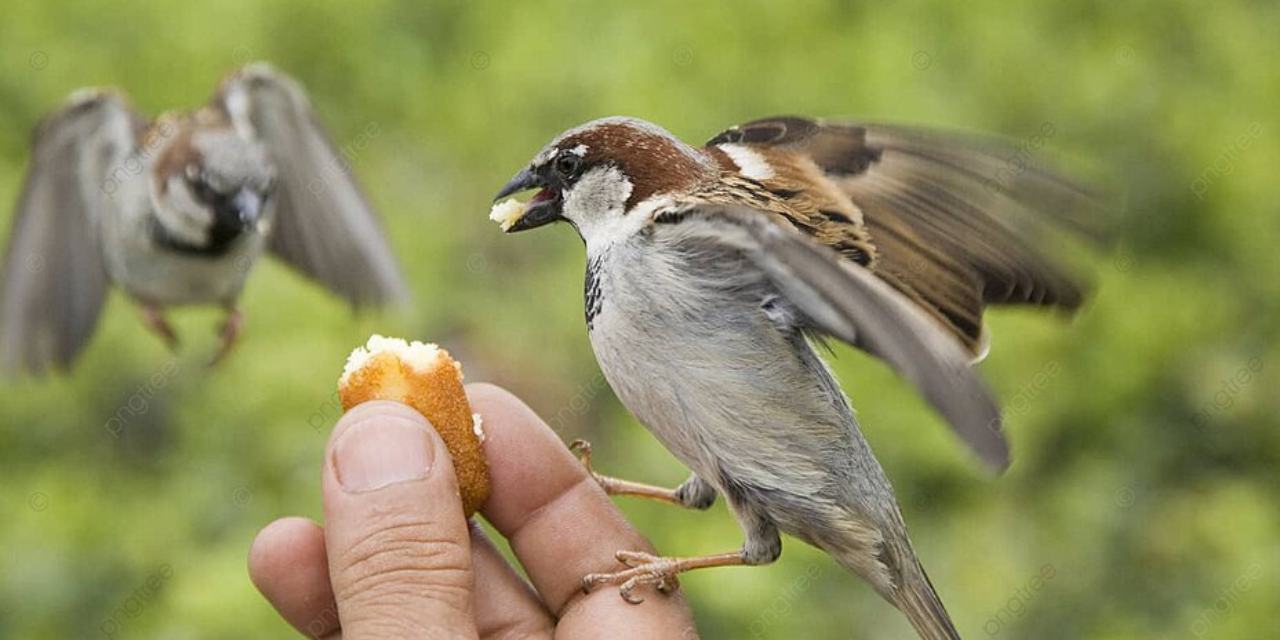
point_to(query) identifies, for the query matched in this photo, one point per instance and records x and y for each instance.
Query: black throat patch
(591, 291)
(222, 235)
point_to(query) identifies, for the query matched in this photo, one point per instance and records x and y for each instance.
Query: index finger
(562, 526)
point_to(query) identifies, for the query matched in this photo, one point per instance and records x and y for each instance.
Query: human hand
(396, 558)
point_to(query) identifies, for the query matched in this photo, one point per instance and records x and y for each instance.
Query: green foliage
(1144, 477)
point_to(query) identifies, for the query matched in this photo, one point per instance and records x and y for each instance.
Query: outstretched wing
(323, 224)
(843, 299)
(956, 222)
(55, 281)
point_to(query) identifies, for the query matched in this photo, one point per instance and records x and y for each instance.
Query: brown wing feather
(54, 281)
(848, 302)
(324, 225)
(951, 222)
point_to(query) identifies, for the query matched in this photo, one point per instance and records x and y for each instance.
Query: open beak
(248, 204)
(542, 210)
(242, 209)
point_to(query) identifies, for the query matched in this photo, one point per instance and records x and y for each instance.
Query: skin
(399, 560)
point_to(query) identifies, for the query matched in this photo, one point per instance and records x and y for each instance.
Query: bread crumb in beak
(506, 213)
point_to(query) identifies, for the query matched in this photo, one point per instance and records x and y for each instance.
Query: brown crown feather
(653, 163)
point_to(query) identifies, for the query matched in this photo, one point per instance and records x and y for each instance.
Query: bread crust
(436, 392)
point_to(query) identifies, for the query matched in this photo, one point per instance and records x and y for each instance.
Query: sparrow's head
(598, 175)
(211, 184)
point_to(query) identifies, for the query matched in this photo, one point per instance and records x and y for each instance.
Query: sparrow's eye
(567, 164)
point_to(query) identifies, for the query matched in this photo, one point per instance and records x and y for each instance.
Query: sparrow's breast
(686, 338)
(143, 264)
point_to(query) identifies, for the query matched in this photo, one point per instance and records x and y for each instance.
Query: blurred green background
(1143, 491)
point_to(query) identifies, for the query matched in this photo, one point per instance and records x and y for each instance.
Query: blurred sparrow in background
(710, 272)
(176, 212)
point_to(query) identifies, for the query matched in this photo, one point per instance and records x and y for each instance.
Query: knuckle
(386, 618)
(402, 556)
(520, 628)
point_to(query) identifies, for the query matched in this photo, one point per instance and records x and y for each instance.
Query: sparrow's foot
(646, 568)
(153, 318)
(229, 332)
(619, 487)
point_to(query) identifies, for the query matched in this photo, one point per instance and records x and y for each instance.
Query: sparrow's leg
(763, 546)
(153, 318)
(694, 493)
(229, 331)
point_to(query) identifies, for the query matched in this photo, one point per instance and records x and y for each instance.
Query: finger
(562, 526)
(287, 563)
(398, 545)
(506, 606)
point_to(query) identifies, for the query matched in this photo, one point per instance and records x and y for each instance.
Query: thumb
(398, 544)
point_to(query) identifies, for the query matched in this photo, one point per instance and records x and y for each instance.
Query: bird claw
(153, 317)
(229, 332)
(583, 450)
(643, 568)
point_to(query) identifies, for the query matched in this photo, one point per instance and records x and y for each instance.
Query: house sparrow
(710, 272)
(176, 211)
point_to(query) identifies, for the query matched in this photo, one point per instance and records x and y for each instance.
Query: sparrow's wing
(323, 224)
(846, 300)
(54, 279)
(956, 222)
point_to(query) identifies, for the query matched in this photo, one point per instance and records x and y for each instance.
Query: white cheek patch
(750, 163)
(180, 214)
(599, 195)
(596, 206)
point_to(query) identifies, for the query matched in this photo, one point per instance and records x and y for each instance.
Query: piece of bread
(506, 213)
(424, 377)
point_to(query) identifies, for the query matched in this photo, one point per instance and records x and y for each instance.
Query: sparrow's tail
(910, 590)
(917, 599)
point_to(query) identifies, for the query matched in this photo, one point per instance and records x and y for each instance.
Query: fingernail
(382, 451)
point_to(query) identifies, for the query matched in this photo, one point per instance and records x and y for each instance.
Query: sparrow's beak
(542, 210)
(523, 181)
(245, 206)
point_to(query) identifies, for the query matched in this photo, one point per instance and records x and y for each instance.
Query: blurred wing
(845, 300)
(957, 222)
(323, 225)
(54, 281)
